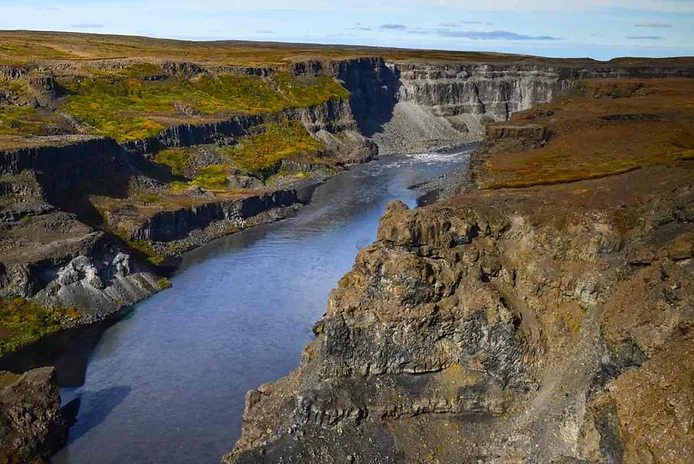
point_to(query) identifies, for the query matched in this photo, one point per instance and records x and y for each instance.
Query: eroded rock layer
(31, 426)
(517, 329)
(87, 222)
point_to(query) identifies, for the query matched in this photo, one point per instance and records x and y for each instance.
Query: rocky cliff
(333, 116)
(410, 107)
(57, 244)
(549, 323)
(31, 426)
(49, 252)
(495, 329)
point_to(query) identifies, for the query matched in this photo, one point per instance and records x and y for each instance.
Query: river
(166, 383)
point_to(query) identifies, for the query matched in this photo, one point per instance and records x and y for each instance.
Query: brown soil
(603, 128)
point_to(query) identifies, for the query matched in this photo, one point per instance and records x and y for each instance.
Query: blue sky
(600, 29)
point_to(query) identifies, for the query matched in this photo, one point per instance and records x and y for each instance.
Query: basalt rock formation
(546, 323)
(59, 247)
(31, 426)
(413, 107)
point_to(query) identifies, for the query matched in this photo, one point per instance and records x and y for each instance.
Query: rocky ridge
(31, 426)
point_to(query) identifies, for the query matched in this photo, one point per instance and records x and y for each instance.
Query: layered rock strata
(500, 328)
(414, 107)
(52, 226)
(54, 247)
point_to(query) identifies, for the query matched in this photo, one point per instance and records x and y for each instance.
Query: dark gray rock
(31, 425)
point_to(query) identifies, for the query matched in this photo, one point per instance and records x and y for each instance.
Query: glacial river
(166, 384)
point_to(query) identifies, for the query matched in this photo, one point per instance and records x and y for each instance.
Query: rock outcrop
(57, 246)
(496, 329)
(31, 425)
(49, 253)
(412, 107)
(333, 116)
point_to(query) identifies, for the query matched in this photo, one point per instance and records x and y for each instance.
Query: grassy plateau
(601, 129)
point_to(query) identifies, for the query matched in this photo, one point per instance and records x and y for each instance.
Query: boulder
(31, 425)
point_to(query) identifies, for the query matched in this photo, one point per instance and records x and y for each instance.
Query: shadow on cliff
(373, 91)
(105, 170)
(89, 409)
(68, 351)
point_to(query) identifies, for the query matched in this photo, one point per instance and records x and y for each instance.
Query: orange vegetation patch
(603, 128)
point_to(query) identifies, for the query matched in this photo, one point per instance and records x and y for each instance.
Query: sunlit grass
(23, 322)
(280, 141)
(21, 120)
(24, 46)
(584, 145)
(131, 108)
(175, 158)
(259, 154)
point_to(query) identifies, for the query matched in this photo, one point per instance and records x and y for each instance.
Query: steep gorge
(402, 107)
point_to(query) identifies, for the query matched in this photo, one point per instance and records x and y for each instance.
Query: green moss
(145, 251)
(20, 120)
(23, 48)
(164, 283)
(178, 186)
(142, 70)
(214, 177)
(175, 158)
(283, 174)
(308, 90)
(126, 106)
(261, 153)
(23, 322)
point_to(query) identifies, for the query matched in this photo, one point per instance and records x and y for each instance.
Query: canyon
(492, 326)
(538, 315)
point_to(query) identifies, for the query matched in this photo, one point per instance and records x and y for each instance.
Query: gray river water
(166, 383)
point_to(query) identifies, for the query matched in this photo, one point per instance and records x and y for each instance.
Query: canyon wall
(500, 327)
(333, 116)
(413, 107)
(168, 226)
(542, 321)
(52, 248)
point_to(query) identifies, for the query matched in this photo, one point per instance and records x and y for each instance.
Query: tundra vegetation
(23, 322)
(600, 129)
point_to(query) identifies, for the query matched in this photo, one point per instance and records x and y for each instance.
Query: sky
(600, 29)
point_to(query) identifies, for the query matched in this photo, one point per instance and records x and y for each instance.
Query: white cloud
(567, 6)
(652, 24)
